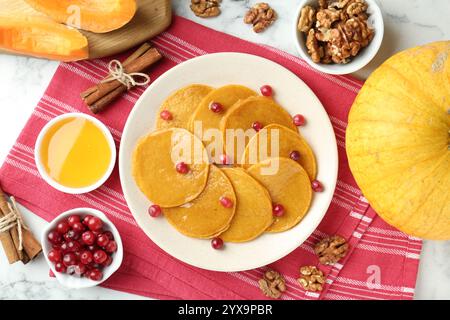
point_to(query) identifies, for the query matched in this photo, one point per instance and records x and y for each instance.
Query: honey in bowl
(75, 152)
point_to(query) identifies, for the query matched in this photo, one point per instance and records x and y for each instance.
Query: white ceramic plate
(292, 93)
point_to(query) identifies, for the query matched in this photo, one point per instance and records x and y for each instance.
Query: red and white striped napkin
(382, 263)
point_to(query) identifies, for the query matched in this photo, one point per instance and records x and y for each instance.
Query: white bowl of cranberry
(82, 247)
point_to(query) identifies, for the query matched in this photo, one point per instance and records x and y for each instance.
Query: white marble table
(23, 80)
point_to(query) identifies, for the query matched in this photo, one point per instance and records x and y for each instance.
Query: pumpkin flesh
(398, 141)
(98, 16)
(42, 37)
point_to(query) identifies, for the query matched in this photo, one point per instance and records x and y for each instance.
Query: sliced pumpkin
(42, 37)
(98, 16)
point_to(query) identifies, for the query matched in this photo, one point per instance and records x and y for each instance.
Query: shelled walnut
(307, 19)
(272, 284)
(340, 29)
(330, 250)
(206, 8)
(311, 278)
(261, 16)
(315, 51)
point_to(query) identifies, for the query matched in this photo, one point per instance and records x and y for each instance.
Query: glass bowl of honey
(75, 153)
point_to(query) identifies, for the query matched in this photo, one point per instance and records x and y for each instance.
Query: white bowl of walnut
(338, 36)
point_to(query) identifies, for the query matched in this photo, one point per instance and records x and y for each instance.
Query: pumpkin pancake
(288, 141)
(244, 114)
(205, 217)
(254, 207)
(227, 96)
(182, 104)
(289, 186)
(154, 167)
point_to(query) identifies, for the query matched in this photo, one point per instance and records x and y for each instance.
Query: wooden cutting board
(152, 17)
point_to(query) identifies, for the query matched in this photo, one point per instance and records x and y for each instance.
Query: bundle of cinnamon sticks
(98, 97)
(10, 240)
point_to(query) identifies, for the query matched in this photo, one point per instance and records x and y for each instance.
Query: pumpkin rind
(98, 16)
(398, 141)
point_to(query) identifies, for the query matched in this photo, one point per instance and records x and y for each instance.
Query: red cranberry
(226, 202)
(278, 210)
(95, 224)
(69, 259)
(62, 227)
(73, 219)
(317, 186)
(60, 267)
(95, 275)
(93, 266)
(86, 220)
(266, 91)
(86, 257)
(54, 237)
(88, 238)
(97, 232)
(108, 261)
(299, 120)
(257, 126)
(71, 235)
(166, 115)
(295, 155)
(54, 255)
(78, 253)
(215, 107)
(93, 248)
(109, 235)
(224, 159)
(155, 210)
(64, 248)
(182, 168)
(100, 256)
(102, 240)
(73, 246)
(78, 227)
(111, 247)
(217, 243)
(80, 269)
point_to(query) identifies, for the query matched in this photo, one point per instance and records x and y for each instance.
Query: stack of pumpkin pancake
(191, 201)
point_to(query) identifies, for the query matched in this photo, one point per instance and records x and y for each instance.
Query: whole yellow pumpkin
(398, 141)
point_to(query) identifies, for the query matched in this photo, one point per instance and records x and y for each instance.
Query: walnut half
(206, 8)
(307, 19)
(315, 51)
(331, 250)
(272, 284)
(261, 16)
(311, 278)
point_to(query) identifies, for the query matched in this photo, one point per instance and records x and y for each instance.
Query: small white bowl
(364, 56)
(58, 186)
(72, 281)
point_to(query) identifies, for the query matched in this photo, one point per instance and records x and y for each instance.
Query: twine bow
(13, 219)
(117, 72)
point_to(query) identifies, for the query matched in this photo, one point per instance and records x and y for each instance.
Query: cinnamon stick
(139, 52)
(8, 243)
(141, 63)
(101, 95)
(31, 246)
